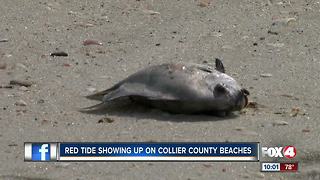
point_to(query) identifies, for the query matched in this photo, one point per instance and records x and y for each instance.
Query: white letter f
(43, 150)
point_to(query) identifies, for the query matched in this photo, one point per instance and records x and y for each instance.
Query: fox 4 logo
(287, 151)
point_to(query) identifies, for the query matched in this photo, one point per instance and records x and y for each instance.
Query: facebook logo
(40, 152)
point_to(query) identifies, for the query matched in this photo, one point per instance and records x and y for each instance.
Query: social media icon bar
(40, 151)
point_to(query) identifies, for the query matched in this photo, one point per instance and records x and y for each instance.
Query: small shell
(91, 42)
(277, 45)
(4, 40)
(204, 3)
(20, 103)
(265, 75)
(85, 25)
(151, 12)
(280, 123)
(290, 21)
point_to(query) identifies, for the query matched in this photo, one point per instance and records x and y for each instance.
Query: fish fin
(219, 66)
(115, 94)
(130, 89)
(136, 90)
(98, 95)
(101, 94)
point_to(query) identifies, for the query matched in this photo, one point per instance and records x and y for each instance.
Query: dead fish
(179, 88)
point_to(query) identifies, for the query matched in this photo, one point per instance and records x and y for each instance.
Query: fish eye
(220, 88)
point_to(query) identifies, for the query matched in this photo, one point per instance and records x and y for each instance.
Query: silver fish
(179, 88)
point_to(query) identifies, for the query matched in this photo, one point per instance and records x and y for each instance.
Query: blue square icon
(40, 152)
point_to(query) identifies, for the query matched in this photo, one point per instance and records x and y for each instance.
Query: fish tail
(93, 108)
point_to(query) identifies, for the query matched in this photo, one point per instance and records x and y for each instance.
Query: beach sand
(270, 47)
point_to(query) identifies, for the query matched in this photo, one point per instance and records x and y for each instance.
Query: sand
(270, 47)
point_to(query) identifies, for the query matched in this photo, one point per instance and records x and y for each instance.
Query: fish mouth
(246, 101)
(245, 93)
(242, 99)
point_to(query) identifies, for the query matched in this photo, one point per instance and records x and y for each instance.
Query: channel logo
(279, 152)
(40, 151)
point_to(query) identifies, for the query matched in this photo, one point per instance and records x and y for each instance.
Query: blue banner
(158, 151)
